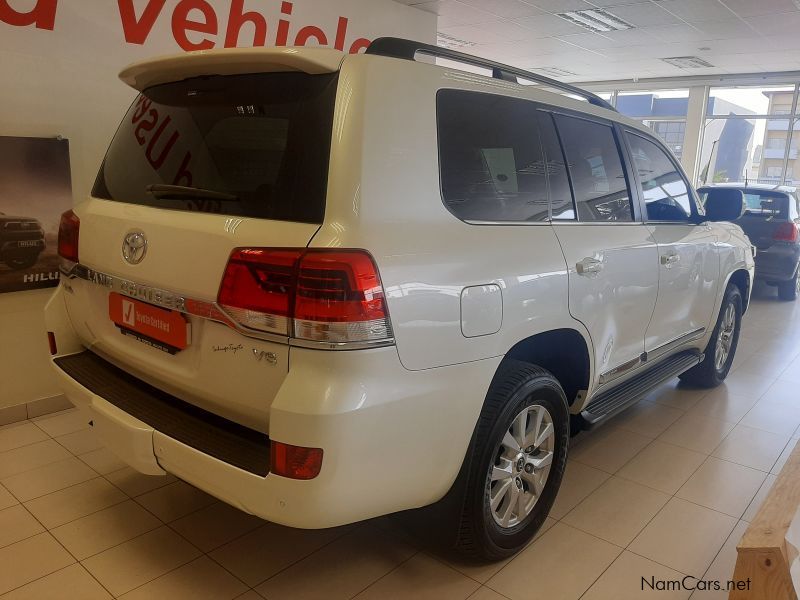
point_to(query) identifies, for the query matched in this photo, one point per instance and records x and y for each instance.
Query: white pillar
(695, 118)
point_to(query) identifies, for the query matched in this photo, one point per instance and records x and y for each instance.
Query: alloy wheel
(522, 465)
(725, 337)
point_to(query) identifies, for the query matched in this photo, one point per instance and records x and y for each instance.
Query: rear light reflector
(51, 340)
(329, 296)
(787, 232)
(295, 462)
(68, 233)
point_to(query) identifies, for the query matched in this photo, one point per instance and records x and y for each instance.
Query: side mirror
(724, 204)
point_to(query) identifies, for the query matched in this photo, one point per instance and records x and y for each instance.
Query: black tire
(516, 387)
(789, 290)
(22, 262)
(707, 374)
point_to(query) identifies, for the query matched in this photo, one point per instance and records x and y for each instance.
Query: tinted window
(763, 205)
(492, 167)
(598, 178)
(664, 189)
(562, 206)
(262, 142)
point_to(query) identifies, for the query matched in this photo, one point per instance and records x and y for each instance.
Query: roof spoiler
(230, 61)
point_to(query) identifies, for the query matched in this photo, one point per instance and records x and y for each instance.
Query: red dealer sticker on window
(168, 327)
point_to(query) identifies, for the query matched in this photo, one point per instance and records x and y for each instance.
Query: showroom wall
(59, 61)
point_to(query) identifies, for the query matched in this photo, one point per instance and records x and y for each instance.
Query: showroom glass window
(492, 165)
(749, 134)
(664, 189)
(598, 177)
(663, 111)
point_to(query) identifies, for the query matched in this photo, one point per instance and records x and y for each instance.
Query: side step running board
(609, 403)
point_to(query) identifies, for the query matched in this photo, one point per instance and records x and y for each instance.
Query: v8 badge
(264, 356)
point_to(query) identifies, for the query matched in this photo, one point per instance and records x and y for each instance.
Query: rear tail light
(51, 340)
(295, 462)
(258, 288)
(787, 232)
(68, 230)
(330, 296)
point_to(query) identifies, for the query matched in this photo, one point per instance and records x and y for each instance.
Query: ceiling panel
(726, 29)
(696, 10)
(681, 32)
(777, 25)
(732, 35)
(644, 14)
(509, 9)
(755, 8)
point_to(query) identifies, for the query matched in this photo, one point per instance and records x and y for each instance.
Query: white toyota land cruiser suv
(325, 287)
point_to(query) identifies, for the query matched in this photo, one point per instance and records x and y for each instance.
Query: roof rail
(407, 49)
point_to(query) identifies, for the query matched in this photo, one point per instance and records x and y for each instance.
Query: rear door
(198, 168)
(688, 260)
(611, 256)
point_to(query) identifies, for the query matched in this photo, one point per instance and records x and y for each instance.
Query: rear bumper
(392, 439)
(778, 263)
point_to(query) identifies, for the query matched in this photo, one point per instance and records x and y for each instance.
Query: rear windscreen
(242, 145)
(763, 205)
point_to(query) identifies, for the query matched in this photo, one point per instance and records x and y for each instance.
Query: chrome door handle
(670, 259)
(589, 266)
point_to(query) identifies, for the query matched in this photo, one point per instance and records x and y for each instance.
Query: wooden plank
(763, 556)
(766, 574)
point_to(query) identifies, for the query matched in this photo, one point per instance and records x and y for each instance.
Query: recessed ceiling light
(704, 49)
(687, 62)
(596, 20)
(554, 71)
(452, 42)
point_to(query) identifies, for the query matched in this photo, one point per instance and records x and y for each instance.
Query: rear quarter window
(491, 159)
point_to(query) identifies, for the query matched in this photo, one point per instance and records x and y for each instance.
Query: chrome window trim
(598, 223)
(315, 345)
(648, 358)
(507, 223)
(619, 371)
(674, 343)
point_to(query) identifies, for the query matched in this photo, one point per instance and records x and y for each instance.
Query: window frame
(545, 113)
(624, 157)
(696, 217)
(550, 111)
(537, 106)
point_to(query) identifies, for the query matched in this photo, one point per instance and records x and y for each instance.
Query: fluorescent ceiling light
(596, 20)
(687, 62)
(452, 42)
(554, 71)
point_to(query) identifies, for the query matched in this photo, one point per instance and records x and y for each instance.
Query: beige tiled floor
(665, 490)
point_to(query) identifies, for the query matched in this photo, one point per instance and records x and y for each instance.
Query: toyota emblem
(134, 247)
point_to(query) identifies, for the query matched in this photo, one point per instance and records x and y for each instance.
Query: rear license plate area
(161, 328)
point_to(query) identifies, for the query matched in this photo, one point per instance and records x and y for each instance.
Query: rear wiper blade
(164, 191)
